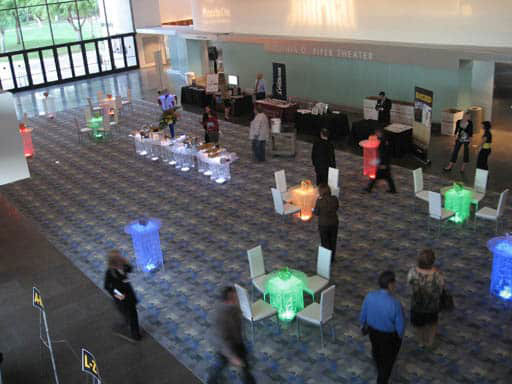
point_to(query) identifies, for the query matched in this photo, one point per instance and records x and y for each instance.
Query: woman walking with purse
(427, 284)
(464, 132)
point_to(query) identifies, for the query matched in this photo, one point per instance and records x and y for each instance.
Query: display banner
(90, 366)
(279, 81)
(423, 102)
(212, 83)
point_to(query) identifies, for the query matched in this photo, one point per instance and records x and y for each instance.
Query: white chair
(479, 187)
(87, 114)
(99, 95)
(492, 214)
(92, 107)
(81, 131)
(256, 311)
(333, 181)
(436, 211)
(128, 100)
(323, 272)
(419, 192)
(281, 207)
(106, 125)
(257, 269)
(319, 314)
(281, 185)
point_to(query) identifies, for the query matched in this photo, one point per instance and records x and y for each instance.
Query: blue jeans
(258, 148)
(171, 129)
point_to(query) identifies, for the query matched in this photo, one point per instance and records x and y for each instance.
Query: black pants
(384, 174)
(328, 237)
(260, 95)
(322, 175)
(129, 311)
(456, 149)
(483, 156)
(258, 149)
(215, 372)
(385, 347)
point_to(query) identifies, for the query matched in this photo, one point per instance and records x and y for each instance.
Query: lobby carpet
(81, 196)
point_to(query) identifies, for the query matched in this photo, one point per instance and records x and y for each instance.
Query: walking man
(227, 338)
(323, 157)
(383, 319)
(259, 134)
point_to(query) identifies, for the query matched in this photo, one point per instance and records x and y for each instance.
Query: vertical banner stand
(44, 333)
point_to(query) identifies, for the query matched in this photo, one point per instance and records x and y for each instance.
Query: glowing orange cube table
(304, 196)
(26, 135)
(370, 156)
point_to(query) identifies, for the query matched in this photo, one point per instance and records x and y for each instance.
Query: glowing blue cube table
(501, 275)
(285, 289)
(146, 243)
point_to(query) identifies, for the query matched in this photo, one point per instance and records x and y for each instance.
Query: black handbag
(446, 302)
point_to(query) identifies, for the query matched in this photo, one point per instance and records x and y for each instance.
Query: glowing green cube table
(285, 289)
(96, 124)
(458, 199)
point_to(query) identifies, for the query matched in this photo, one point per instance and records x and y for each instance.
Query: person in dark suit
(323, 157)
(119, 287)
(327, 211)
(204, 122)
(384, 163)
(228, 340)
(384, 108)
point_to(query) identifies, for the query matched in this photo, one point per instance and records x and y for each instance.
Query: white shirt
(259, 129)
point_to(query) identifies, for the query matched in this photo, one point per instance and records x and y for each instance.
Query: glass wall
(47, 41)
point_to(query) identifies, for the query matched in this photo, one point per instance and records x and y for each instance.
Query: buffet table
(241, 105)
(195, 96)
(309, 124)
(274, 108)
(362, 129)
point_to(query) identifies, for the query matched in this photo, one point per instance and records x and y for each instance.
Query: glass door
(64, 63)
(117, 50)
(20, 71)
(104, 51)
(6, 77)
(92, 58)
(36, 68)
(129, 49)
(77, 59)
(50, 67)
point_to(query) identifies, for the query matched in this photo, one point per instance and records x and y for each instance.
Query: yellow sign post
(44, 333)
(90, 366)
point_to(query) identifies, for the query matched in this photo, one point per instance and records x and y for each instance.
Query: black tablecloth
(241, 105)
(310, 124)
(362, 129)
(401, 143)
(195, 96)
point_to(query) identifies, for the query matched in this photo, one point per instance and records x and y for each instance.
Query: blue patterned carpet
(83, 202)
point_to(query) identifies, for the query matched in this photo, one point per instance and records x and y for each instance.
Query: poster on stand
(212, 83)
(279, 81)
(423, 102)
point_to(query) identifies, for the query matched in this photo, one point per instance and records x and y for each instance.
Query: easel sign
(90, 366)
(212, 83)
(44, 333)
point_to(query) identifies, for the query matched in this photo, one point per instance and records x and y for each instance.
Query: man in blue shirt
(383, 319)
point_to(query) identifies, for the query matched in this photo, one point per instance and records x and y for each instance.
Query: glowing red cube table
(26, 135)
(370, 156)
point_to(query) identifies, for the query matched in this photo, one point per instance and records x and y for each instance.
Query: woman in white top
(463, 132)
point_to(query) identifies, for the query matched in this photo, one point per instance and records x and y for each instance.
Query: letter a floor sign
(90, 366)
(37, 300)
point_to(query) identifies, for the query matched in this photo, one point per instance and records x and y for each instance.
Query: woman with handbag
(427, 284)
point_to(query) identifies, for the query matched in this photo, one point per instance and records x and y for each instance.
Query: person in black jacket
(323, 157)
(384, 108)
(119, 287)
(327, 211)
(463, 133)
(485, 147)
(204, 122)
(384, 163)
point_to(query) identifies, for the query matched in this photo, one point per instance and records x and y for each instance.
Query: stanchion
(44, 334)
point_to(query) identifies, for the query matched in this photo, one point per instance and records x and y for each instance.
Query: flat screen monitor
(233, 80)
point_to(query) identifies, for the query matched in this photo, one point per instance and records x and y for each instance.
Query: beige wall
(172, 10)
(146, 13)
(458, 22)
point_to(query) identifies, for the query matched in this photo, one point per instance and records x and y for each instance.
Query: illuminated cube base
(501, 275)
(458, 200)
(285, 289)
(28, 147)
(146, 243)
(370, 156)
